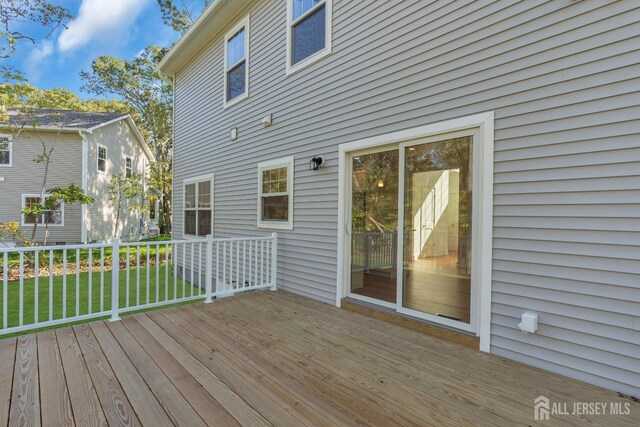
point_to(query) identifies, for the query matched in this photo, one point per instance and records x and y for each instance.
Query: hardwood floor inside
(428, 288)
(270, 358)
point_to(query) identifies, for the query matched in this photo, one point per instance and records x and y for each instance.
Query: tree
(51, 202)
(13, 13)
(127, 192)
(17, 93)
(137, 83)
(179, 17)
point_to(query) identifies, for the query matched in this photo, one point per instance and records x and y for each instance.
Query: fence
(55, 285)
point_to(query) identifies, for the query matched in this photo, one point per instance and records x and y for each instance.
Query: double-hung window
(102, 158)
(128, 167)
(275, 194)
(308, 32)
(198, 206)
(6, 145)
(236, 63)
(53, 216)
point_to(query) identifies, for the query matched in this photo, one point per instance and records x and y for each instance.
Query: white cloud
(35, 62)
(100, 20)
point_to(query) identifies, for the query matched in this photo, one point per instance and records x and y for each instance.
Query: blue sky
(119, 28)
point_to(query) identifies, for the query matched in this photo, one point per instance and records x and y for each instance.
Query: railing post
(115, 279)
(209, 269)
(274, 261)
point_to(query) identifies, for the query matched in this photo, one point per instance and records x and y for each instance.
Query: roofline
(208, 24)
(130, 121)
(136, 132)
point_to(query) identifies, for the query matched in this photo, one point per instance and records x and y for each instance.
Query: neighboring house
(502, 139)
(88, 150)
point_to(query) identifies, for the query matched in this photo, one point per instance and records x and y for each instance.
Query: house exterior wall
(120, 141)
(563, 78)
(25, 177)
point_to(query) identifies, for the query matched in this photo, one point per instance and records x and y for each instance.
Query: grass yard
(87, 298)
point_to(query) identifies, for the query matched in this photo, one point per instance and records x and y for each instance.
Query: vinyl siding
(120, 141)
(563, 78)
(25, 177)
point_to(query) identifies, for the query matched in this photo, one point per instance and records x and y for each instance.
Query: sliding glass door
(374, 225)
(436, 209)
(410, 228)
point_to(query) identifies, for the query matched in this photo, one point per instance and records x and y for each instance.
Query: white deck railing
(53, 285)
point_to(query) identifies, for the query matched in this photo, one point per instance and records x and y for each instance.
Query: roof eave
(212, 22)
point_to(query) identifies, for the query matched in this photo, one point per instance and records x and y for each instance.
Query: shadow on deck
(271, 358)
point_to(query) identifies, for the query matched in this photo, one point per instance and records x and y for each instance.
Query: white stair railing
(44, 286)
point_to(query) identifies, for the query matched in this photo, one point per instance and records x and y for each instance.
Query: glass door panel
(437, 228)
(374, 225)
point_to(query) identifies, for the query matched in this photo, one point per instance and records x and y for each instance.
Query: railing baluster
(238, 265)
(261, 262)
(36, 279)
(148, 273)
(224, 265)
(217, 267)
(251, 278)
(166, 272)
(137, 275)
(20, 315)
(5, 289)
(90, 282)
(244, 264)
(64, 283)
(102, 279)
(157, 272)
(175, 271)
(77, 282)
(184, 269)
(192, 261)
(50, 285)
(127, 274)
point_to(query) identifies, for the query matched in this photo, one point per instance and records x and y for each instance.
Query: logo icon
(541, 408)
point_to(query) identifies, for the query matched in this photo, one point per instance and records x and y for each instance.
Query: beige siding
(120, 141)
(563, 78)
(25, 176)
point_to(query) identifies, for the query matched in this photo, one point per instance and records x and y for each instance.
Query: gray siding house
(88, 150)
(479, 160)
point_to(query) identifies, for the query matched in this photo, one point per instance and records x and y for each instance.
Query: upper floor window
(236, 63)
(198, 206)
(128, 167)
(102, 158)
(54, 216)
(308, 33)
(5, 150)
(275, 194)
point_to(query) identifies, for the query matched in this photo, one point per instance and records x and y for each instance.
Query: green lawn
(78, 291)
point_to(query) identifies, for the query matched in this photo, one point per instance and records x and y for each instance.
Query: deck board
(271, 358)
(25, 400)
(53, 386)
(7, 363)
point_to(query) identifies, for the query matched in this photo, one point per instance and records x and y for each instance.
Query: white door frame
(483, 148)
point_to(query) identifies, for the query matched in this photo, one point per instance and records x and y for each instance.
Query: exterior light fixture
(316, 162)
(381, 184)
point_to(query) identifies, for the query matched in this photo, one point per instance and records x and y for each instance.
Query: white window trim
(27, 224)
(243, 23)
(106, 159)
(287, 162)
(196, 180)
(125, 166)
(10, 137)
(293, 68)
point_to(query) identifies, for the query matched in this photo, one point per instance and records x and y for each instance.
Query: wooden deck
(270, 358)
